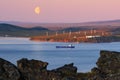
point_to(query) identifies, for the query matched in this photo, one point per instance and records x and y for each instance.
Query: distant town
(79, 36)
(101, 31)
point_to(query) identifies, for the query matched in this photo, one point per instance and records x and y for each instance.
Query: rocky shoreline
(108, 68)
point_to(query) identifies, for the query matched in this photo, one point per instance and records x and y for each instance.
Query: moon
(37, 10)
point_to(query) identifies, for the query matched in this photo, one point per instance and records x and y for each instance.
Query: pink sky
(67, 11)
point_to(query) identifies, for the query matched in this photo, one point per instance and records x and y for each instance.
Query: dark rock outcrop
(108, 68)
(67, 72)
(36, 70)
(8, 71)
(109, 62)
(33, 69)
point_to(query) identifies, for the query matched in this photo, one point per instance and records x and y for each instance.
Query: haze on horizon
(58, 11)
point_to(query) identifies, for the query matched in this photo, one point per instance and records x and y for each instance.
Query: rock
(109, 62)
(97, 74)
(82, 76)
(36, 70)
(8, 71)
(67, 72)
(67, 69)
(108, 66)
(53, 75)
(33, 69)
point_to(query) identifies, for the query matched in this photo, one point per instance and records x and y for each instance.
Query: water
(84, 55)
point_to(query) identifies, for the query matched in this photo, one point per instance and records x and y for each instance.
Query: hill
(9, 27)
(60, 26)
(74, 29)
(17, 31)
(116, 31)
(28, 29)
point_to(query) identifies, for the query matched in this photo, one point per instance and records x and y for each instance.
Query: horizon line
(60, 22)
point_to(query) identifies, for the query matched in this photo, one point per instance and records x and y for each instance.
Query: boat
(68, 46)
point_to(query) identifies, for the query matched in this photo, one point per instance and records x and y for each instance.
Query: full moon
(37, 10)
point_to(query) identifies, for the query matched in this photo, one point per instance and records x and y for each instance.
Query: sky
(59, 11)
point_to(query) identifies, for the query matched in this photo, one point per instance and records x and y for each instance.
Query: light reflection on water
(84, 56)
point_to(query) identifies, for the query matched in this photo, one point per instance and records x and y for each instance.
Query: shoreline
(38, 40)
(107, 68)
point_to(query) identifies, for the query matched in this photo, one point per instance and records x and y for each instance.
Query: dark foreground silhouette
(108, 68)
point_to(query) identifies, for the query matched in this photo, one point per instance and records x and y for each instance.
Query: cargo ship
(68, 46)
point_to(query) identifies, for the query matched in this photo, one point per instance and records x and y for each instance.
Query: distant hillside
(27, 29)
(58, 26)
(104, 22)
(17, 31)
(9, 27)
(74, 29)
(116, 31)
(38, 28)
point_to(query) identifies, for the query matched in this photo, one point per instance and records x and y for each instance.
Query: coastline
(91, 40)
(107, 68)
(77, 39)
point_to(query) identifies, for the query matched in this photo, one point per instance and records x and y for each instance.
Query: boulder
(54, 75)
(109, 62)
(36, 70)
(33, 69)
(9, 71)
(67, 72)
(108, 66)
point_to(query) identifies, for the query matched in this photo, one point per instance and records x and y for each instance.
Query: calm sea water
(84, 55)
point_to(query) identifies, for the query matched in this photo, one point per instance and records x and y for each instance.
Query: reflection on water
(84, 55)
